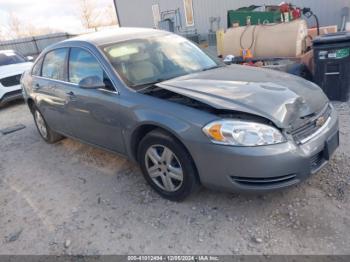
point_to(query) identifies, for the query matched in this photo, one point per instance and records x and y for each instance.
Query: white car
(12, 66)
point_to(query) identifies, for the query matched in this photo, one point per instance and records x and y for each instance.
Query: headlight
(242, 133)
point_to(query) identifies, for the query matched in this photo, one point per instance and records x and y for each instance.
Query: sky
(59, 14)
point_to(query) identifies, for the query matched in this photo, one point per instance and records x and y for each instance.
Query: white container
(274, 40)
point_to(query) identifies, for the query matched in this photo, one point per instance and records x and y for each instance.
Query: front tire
(167, 166)
(44, 130)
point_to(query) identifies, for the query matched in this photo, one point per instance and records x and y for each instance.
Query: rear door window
(37, 68)
(54, 65)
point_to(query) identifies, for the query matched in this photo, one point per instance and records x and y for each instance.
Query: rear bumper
(265, 168)
(11, 93)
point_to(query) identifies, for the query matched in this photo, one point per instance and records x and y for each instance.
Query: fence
(32, 46)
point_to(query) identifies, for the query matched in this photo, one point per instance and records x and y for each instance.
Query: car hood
(14, 69)
(277, 96)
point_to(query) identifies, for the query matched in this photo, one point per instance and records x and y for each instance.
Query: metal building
(195, 14)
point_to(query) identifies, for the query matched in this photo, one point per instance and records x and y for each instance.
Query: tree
(15, 26)
(111, 17)
(2, 34)
(93, 17)
(88, 14)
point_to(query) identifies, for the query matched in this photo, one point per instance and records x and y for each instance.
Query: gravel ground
(71, 198)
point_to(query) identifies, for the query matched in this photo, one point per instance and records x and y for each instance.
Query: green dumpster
(255, 17)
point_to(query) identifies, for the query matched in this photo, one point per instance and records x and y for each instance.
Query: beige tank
(273, 40)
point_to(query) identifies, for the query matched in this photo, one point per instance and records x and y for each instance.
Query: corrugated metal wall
(328, 11)
(139, 13)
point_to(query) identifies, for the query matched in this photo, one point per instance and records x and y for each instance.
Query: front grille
(316, 161)
(271, 181)
(11, 80)
(311, 127)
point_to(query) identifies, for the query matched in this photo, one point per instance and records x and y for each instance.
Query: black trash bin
(332, 65)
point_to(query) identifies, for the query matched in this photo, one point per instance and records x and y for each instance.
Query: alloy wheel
(164, 168)
(40, 122)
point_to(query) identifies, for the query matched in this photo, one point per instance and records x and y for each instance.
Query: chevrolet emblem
(320, 121)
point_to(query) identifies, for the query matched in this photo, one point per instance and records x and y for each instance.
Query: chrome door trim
(74, 84)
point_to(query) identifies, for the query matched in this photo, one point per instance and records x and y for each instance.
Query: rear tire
(44, 130)
(167, 166)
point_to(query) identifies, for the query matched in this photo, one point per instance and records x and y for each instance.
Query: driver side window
(82, 64)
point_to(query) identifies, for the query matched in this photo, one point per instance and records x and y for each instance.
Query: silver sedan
(187, 119)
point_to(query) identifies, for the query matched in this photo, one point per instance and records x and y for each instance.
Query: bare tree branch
(87, 14)
(17, 28)
(111, 16)
(93, 17)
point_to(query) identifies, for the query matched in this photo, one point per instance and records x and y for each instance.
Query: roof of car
(117, 35)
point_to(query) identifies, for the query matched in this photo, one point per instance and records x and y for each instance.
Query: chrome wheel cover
(40, 122)
(164, 168)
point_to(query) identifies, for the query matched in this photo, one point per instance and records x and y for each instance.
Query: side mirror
(30, 58)
(92, 82)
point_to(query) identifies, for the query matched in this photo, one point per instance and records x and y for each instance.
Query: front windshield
(8, 58)
(141, 62)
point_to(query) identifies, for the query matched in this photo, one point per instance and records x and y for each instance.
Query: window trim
(66, 69)
(39, 61)
(100, 64)
(68, 62)
(55, 80)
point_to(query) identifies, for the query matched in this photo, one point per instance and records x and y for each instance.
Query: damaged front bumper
(265, 168)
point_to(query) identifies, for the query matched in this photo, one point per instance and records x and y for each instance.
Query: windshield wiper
(142, 87)
(210, 68)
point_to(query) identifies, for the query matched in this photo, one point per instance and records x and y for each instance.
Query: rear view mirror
(91, 82)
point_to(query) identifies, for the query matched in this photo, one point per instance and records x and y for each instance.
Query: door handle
(332, 73)
(71, 96)
(36, 86)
